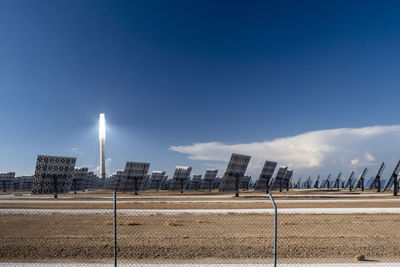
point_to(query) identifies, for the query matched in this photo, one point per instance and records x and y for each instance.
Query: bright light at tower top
(102, 127)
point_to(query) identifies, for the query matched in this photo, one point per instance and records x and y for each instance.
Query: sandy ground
(162, 238)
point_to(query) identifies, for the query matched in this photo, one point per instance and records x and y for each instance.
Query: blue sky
(172, 74)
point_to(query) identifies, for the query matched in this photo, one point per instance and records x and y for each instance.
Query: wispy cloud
(324, 149)
(77, 151)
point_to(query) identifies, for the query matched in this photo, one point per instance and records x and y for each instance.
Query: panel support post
(55, 186)
(115, 228)
(237, 187)
(395, 186)
(275, 228)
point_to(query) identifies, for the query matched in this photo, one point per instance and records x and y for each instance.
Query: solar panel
(316, 183)
(25, 183)
(133, 176)
(180, 178)
(156, 179)
(277, 183)
(264, 180)
(377, 180)
(209, 179)
(244, 182)
(349, 182)
(217, 182)
(234, 172)
(195, 182)
(393, 179)
(7, 180)
(165, 183)
(360, 181)
(337, 181)
(79, 179)
(286, 178)
(146, 182)
(53, 175)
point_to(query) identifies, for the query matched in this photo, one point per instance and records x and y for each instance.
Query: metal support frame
(275, 228)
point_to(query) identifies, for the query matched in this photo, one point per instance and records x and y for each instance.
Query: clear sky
(189, 82)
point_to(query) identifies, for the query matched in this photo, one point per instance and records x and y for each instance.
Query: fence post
(115, 227)
(275, 227)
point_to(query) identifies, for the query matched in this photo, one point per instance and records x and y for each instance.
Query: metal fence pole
(275, 227)
(115, 228)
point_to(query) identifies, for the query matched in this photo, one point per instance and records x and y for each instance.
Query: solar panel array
(209, 179)
(80, 179)
(195, 182)
(133, 176)
(267, 171)
(156, 180)
(244, 182)
(7, 180)
(360, 183)
(53, 174)
(277, 183)
(25, 183)
(180, 178)
(234, 172)
(286, 178)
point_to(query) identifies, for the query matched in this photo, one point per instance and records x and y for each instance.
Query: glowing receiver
(102, 127)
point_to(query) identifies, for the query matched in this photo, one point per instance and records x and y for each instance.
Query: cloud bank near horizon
(322, 150)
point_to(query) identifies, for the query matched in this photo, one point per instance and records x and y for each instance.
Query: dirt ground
(202, 238)
(162, 238)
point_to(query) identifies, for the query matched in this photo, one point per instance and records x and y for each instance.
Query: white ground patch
(135, 212)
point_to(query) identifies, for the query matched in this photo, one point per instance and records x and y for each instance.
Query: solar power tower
(377, 180)
(234, 172)
(286, 178)
(79, 179)
(195, 182)
(180, 178)
(6, 180)
(53, 175)
(393, 180)
(209, 179)
(349, 182)
(316, 183)
(25, 183)
(360, 180)
(277, 183)
(263, 182)
(156, 180)
(244, 182)
(326, 183)
(133, 176)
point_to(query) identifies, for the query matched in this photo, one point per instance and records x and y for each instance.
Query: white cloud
(369, 157)
(354, 161)
(324, 150)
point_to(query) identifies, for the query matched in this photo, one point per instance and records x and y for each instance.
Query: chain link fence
(203, 228)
